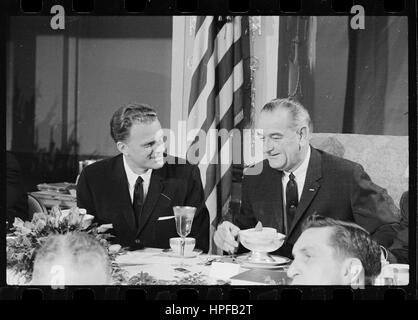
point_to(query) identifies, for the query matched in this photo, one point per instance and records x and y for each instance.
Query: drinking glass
(184, 218)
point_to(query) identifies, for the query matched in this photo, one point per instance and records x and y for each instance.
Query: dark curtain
(353, 81)
(367, 78)
(294, 70)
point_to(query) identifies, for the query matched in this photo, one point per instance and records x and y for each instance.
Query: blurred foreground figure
(71, 259)
(333, 252)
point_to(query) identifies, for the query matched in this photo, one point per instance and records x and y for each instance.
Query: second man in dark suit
(297, 181)
(136, 190)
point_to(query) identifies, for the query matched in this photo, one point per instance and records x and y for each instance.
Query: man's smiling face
(144, 148)
(280, 139)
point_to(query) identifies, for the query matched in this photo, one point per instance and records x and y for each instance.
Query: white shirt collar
(303, 168)
(132, 176)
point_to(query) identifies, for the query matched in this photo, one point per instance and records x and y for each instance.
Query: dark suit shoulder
(260, 172)
(335, 163)
(102, 165)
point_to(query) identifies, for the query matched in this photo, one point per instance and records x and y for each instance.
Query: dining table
(163, 267)
(155, 266)
(207, 269)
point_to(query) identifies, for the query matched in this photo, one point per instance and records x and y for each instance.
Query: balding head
(71, 259)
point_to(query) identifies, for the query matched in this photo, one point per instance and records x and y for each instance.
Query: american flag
(217, 103)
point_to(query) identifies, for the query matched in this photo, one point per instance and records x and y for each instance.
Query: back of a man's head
(349, 240)
(71, 259)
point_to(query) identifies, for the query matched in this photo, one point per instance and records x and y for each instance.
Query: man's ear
(121, 147)
(304, 134)
(353, 272)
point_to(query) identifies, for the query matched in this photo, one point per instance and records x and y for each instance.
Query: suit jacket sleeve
(399, 250)
(84, 194)
(245, 218)
(373, 208)
(196, 198)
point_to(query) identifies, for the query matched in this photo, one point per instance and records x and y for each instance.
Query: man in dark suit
(137, 190)
(297, 181)
(17, 199)
(400, 247)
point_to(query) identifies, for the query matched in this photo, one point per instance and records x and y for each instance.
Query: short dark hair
(351, 240)
(297, 111)
(127, 115)
(81, 248)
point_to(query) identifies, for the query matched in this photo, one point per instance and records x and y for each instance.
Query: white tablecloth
(162, 265)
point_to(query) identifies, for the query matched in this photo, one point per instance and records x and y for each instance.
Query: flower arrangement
(28, 236)
(144, 278)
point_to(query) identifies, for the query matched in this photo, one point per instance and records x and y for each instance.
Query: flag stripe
(226, 187)
(227, 93)
(222, 73)
(204, 107)
(216, 102)
(199, 22)
(206, 45)
(237, 101)
(199, 77)
(227, 122)
(227, 64)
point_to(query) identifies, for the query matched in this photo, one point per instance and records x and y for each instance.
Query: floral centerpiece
(28, 236)
(144, 278)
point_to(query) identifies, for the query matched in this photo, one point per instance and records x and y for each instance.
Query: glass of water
(184, 219)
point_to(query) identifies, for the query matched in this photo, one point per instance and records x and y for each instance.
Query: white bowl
(266, 240)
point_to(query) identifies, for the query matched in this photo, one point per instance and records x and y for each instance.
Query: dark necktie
(138, 199)
(291, 199)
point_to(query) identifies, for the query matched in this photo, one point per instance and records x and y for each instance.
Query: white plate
(261, 266)
(277, 263)
(171, 253)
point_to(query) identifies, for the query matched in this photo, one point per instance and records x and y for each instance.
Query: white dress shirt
(300, 176)
(132, 177)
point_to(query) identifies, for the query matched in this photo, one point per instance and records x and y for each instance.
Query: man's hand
(225, 237)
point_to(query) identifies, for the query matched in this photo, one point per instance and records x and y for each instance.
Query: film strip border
(211, 7)
(202, 293)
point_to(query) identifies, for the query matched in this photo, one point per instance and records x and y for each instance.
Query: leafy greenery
(144, 278)
(28, 236)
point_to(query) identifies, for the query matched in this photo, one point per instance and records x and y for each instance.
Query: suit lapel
(310, 188)
(154, 192)
(279, 214)
(122, 199)
(267, 198)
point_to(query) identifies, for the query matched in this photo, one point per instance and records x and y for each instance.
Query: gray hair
(126, 116)
(298, 112)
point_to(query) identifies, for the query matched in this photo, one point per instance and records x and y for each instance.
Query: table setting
(62, 194)
(181, 264)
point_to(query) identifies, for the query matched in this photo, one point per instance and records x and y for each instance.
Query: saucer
(277, 263)
(171, 253)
